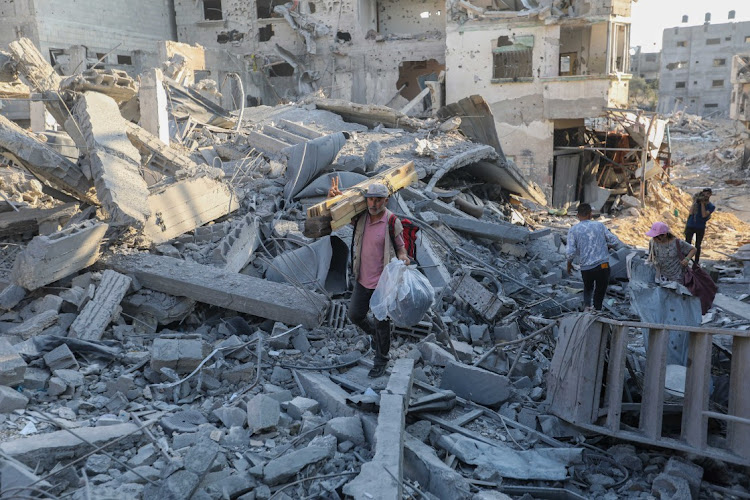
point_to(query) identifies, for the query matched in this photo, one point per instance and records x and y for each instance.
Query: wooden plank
(738, 434)
(215, 286)
(598, 370)
(616, 376)
(343, 208)
(652, 401)
(694, 422)
(683, 328)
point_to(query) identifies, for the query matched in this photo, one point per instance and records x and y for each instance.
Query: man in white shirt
(589, 242)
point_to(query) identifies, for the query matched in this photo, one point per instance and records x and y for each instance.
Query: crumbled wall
(353, 61)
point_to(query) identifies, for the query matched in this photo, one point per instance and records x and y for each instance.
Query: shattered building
(543, 71)
(740, 101)
(696, 67)
(645, 64)
(366, 51)
(75, 36)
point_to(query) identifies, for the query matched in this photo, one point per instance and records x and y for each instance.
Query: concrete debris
(168, 330)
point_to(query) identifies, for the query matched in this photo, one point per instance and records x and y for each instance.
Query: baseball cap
(658, 228)
(377, 190)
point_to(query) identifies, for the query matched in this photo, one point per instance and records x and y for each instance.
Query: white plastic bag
(403, 294)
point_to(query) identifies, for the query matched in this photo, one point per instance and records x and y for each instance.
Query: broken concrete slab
(110, 82)
(11, 399)
(299, 405)
(488, 305)
(346, 429)
(47, 259)
(263, 413)
(475, 384)
(12, 365)
(231, 416)
(288, 465)
(421, 464)
(99, 312)
(319, 265)
(331, 397)
(383, 476)
(181, 206)
(34, 325)
(35, 220)
(10, 296)
(306, 160)
(435, 355)
(238, 247)
(44, 162)
(61, 358)
(548, 464)
(180, 354)
(496, 231)
(215, 286)
(115, 162)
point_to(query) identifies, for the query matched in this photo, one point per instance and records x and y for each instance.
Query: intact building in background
(696, 66)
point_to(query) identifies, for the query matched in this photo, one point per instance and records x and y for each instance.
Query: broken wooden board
(215, 286)
(343, 208)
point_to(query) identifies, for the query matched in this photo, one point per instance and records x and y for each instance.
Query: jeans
(598, 276)
(698, 232)
(380, 331)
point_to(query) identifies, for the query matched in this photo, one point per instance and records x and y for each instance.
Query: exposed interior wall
(411, 72)
(104, 25)
(352, 61)
(410, 16)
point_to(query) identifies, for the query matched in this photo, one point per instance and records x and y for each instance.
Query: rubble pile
(169, 331)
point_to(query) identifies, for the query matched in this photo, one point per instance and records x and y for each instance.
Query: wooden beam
(652, 401)
(343, 208)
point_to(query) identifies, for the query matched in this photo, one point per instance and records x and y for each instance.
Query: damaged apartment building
(696, 64)
(544, 67)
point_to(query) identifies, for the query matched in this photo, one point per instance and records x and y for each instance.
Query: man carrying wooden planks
(373, 248)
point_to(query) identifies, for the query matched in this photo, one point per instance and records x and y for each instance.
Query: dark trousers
(380, 331)
(595, 282)
(698, 232)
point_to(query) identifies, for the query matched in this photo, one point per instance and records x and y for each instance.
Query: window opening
(212, 10)
(124, 60)
(513, 59)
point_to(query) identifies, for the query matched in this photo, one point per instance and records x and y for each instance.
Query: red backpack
(409, 235)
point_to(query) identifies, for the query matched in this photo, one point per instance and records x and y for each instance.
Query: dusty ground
(706, 154)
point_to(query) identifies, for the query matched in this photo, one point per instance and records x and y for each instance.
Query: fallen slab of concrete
(182, 206)
(421, 464)
(28, 220)
(115, 162)
(504, 232)
(370, 115)
(732, 306)
(215, 286)
(46, 163)
(45, 450)
(477, 153)
(238, 247)
(99, 312)
(382, 477)
(49, 258)
(331, 397)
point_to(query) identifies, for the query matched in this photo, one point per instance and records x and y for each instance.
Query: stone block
(331, 396)
(11, 399)
(72, 378)
(669, 487)
(346, 429)
(505, 333)
(34, 325)
(12, 365)
(262, 413)
(288, 465)
(180, 354)
(60, 358)
(240, 373)
(435, 355)
(183, 422)
(299, 405)
(688, 471)
(479, 334)
(476, 384)
(231, 416)
(10, 296)
(99, 312)
(56, 386)
(35, 378)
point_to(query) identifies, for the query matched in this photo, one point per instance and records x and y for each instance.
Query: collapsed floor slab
(182, 206)
(215, 286)
(49, 258)
(114, 161)
(44, 162)
(29, 220)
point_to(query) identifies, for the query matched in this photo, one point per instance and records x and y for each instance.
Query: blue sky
(651, 17)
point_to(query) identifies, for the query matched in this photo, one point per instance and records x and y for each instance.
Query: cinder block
(180, 354)
(60, 358)
(12, 365)
(11, 399)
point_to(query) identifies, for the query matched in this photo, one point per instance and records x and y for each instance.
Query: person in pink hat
(663, 252)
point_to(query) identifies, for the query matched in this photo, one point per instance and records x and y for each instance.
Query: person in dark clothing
(700, 212)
